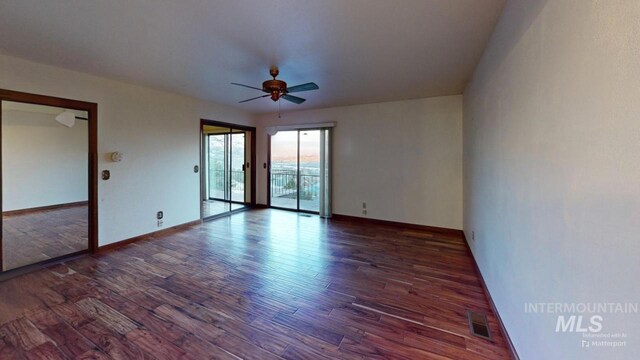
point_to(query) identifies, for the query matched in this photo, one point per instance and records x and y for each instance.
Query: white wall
(552, 169)
(44, 163)
(404, 159)
(158, 132)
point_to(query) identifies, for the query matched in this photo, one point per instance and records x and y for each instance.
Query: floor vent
(305, 215)
(478, 325)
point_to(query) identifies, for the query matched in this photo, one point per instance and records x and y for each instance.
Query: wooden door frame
(252, 131)
(92, 118)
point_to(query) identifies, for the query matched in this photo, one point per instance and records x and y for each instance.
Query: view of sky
(284, 146)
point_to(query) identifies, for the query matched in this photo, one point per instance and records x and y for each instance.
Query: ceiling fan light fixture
(277, 89)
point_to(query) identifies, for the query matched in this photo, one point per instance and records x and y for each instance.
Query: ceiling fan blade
(258, 97)
(303, 87)
(293, 99)
(247, 86)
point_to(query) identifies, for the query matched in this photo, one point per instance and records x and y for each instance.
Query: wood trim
(510, 345)
(23, 97)
(92, 110)
(361, 220)
(226, 124)
(147, 236)
(45, 208)
(93, 177)
(1, 200)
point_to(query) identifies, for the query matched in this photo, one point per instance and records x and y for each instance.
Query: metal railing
(283, 184)
(217, 180)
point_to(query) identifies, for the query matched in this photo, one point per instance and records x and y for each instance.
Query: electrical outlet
(159, 215)
(364, 212)
(364, 205)
(160, 222)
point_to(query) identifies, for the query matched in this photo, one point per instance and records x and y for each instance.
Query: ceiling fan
(277, 89)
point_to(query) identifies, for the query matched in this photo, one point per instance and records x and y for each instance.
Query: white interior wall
(44, 163)
(551, 170)
(404, 159)
(158, 132)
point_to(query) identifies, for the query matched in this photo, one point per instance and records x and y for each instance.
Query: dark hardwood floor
(261, 284)
(35, 236)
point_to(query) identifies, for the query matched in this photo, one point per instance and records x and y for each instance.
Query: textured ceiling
(357, 51)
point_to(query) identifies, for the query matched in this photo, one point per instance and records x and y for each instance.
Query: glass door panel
(217, 177)
(284, 170)
(238, 168)
(217, 167)
(225, 178)
(309, 170)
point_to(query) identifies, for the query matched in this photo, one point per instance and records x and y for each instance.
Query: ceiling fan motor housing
(275, 88)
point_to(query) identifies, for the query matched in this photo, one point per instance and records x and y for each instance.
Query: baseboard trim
(122, 243)
(361, 220)
(512, 348)
(45, 208)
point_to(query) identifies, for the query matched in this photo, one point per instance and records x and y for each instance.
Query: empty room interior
(335, 179)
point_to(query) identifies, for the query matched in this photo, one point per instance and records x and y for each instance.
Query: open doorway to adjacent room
(227, 176)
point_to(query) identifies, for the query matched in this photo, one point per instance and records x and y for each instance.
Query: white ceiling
(357, 51)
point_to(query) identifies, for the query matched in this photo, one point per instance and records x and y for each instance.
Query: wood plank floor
(42, 235)
(262, 284)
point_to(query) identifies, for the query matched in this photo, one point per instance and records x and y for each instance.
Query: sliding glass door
(309, 170)
(218, 166)
(225, 165)
(237, 166)
(296, 166)
(284, 170)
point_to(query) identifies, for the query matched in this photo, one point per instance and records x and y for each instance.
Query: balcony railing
(283, 184)
(217, 180)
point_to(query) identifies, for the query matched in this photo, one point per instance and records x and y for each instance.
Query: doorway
(227, 168)
(48, 179)
(299, 171)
